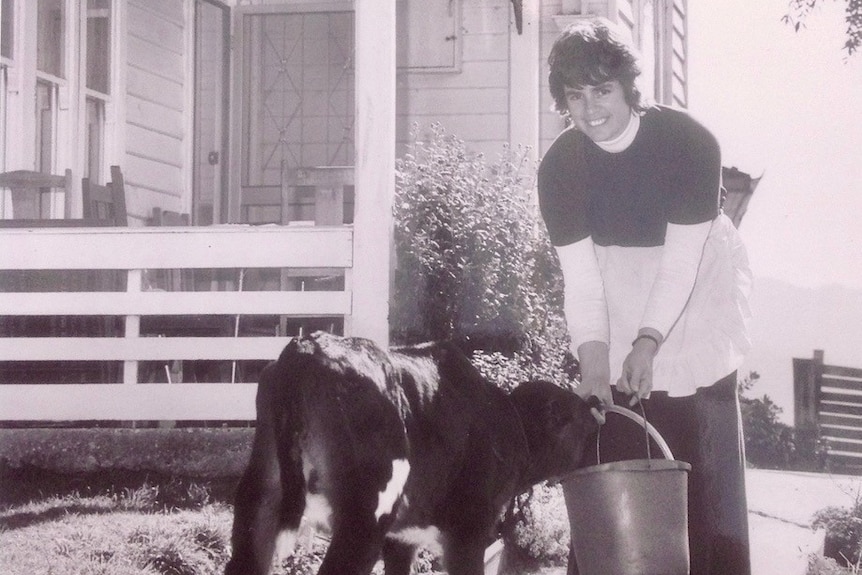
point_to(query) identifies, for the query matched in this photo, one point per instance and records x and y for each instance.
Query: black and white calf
(394, 449)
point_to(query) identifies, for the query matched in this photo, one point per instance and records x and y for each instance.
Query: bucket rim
(633, 465)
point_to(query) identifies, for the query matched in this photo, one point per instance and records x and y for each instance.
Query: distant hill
(791, 321)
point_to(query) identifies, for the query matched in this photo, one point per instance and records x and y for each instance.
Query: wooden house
(271, 127)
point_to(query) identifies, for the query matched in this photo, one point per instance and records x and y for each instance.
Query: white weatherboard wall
(157, 106)
(471, 102)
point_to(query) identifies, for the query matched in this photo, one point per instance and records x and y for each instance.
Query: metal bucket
(630, 517)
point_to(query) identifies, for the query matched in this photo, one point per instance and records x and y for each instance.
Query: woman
(656, 279)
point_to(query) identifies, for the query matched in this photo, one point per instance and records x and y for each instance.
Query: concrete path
(781, 506)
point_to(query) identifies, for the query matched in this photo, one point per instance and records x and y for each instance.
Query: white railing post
(375, 169)
(133, 327)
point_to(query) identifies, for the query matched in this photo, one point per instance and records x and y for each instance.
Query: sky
(786, 105)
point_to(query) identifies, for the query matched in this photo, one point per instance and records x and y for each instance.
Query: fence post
(133, 327)
(807, 374)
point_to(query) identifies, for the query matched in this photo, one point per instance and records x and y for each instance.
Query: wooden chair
(162, 217)
(31, 208)
(31, 193)
(105, 203)
(323, 195)
(169, 280)
(319, 196)
(174, 280)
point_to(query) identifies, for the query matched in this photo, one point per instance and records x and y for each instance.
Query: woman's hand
(595, 375)
(636, 379)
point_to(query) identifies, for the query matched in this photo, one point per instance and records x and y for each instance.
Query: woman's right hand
(595, 375)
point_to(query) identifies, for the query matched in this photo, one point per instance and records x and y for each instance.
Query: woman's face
(601, 112)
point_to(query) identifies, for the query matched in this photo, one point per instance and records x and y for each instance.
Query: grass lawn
(98, 536)
(131, 502)
(132, 532)
(124, 502)
(118, 501)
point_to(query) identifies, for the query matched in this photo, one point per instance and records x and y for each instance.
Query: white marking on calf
(318, 512)
(427, 537)
(285, 543)
(387, 498)
(289, 539)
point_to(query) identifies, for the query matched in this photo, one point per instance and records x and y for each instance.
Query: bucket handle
(649, 431)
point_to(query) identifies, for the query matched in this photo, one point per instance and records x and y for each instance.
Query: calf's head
(557, 424)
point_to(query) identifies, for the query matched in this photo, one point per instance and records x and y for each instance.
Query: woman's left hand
(636, 378)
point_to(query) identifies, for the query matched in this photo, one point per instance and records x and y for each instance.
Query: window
(7, 53)
(7, 38)
(94, 138)
(97, 82)
(659, 30)
(50, 70)
(98, 58)
(3, 108)
(51, 38)
(56, 78)
(46, 124)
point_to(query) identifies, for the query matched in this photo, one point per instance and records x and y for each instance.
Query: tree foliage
(799, 10)
(771, 444)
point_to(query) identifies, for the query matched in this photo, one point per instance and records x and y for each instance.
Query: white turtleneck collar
(626, 137)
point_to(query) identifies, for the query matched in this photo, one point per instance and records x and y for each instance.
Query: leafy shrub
(843, 526)
(539, 526)
(818, 565)
(473, 265)
(553, 363)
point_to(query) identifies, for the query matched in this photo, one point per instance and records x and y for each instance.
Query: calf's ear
(557, 413)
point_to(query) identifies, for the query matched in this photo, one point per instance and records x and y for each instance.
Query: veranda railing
(135, 252)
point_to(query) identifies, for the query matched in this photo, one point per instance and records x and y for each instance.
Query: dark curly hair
(591, 52)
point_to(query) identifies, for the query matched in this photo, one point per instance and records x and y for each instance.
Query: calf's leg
(397, 557)
(355, 546)
(257, 508)
(464, 556)
(270, 495)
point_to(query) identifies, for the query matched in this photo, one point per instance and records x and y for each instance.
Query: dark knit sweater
(670, 173)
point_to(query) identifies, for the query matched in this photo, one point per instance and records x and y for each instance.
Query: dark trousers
(705, 431)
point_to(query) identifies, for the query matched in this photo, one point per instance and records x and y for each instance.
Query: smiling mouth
(597, 122)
